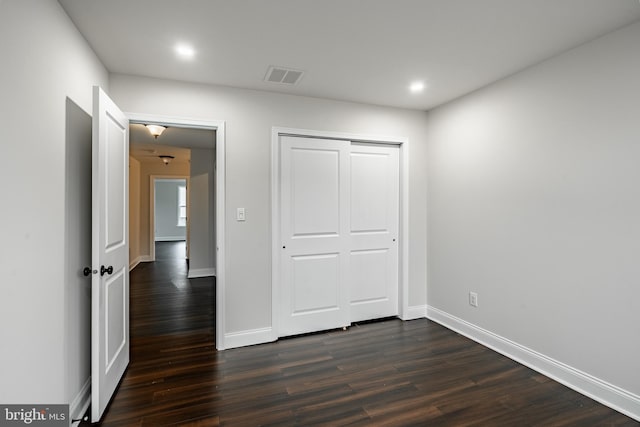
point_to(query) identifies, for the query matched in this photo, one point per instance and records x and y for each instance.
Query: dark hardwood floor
(388, 373)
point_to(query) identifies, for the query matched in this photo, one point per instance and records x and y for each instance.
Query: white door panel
(374, 218)
(315, 235)
(110, 251)
(370, 271)
(315, 283)
(116, 334)
(315, 192)
(114, 181)
(369, 191)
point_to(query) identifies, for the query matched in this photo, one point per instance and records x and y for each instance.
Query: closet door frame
(403, 253)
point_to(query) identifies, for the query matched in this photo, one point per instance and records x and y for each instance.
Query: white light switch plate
(240, 214)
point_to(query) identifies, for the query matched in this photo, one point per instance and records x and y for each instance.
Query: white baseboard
(134, 263)
(248, 337)
(81, 402)
(415, 312)
(608, 394)
(201, 272)
(170, 239)
(146, 258)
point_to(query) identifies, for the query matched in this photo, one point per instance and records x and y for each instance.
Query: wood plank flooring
(388, 373)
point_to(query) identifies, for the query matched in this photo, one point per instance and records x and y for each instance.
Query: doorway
(215, 209)
(169, 214)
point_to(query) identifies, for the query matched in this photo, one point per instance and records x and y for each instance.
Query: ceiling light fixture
(416, 87)
(155, 130)
(166, 159)
(185, 51)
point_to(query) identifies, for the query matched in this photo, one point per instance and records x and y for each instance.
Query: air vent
(283, 75)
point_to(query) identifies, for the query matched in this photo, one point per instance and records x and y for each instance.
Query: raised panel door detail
(115, 322)
(315, 192)
(115, 161)
(369, 276)
(316, 283)
(369, 192)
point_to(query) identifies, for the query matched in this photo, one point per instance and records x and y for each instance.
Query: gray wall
(250, 116)
(166, 211)
(202, 238)
(45, 62)
(534, 203)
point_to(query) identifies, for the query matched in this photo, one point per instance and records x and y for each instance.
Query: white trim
(170, 239)
(404, 230)
(248, 337)
(133, 264)
(608, 394)
(403, 255)
(415, 312)
(220, 177)
(80, 404)
(145, 258)
(201, 272)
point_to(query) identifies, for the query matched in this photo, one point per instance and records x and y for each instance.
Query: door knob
(107, 270)
(87, 271)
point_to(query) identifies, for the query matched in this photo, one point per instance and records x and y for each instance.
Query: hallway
(164, 301)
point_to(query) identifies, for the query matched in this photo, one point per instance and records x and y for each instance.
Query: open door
(110, 251)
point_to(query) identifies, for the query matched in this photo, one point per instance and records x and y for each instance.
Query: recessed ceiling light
(416, 87)
(185, 51)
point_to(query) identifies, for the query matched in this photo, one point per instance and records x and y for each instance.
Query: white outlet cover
(473, 299)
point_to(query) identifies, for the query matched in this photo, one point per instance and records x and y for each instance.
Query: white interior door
(374, 216)
(314, 184)
(110, 251)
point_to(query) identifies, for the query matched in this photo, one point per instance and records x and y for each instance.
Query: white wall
(166, 211)
(202, 228)
(44, 62)
(249, 117)
(534, 203)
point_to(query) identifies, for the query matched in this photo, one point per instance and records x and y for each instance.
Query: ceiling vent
(283, 75)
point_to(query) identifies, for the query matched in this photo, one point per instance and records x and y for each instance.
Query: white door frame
(403, 253)
(152, 212)
(220, 173)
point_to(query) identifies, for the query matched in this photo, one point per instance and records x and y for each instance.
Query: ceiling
(366, 51)
(174, 141)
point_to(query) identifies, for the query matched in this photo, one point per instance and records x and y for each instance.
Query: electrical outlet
(473, 299)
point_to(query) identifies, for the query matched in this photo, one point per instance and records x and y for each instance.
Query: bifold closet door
(374, 215)
(314, 190)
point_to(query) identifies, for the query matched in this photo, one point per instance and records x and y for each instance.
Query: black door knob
(86, 271)
(108, 270)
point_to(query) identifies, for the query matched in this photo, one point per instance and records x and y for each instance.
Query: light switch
(240, 214)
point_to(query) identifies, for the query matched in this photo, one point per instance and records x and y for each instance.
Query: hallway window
(182, 206)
